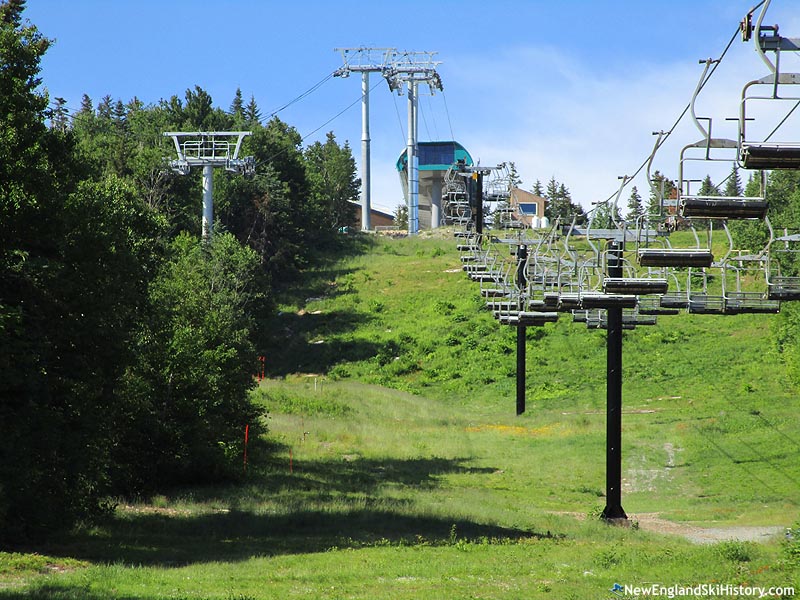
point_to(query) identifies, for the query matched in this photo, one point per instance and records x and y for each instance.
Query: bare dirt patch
(696, 534)
(707, 535)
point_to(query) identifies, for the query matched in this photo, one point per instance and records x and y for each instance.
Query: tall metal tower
(208, 150)
(364, 61)
(413, 68)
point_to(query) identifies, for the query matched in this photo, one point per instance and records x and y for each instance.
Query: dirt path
(699, 535)
(707, 535)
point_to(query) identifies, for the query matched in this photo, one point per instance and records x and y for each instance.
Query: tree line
(128, 346)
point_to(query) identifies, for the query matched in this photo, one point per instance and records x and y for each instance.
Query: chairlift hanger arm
(706, 134)
(624, 181)
(767, 38)
(656, 193)
(757, 38)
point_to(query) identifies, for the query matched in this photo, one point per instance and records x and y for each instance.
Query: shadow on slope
(309, 343)
(325, 504)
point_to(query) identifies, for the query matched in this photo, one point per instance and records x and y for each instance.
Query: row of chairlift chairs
(496, 192)
(530, 276)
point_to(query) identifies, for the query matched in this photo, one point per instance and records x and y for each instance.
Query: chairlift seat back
(675, 257)
(770, 156)
(721, 207)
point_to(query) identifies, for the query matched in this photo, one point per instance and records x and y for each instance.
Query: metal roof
(437, 156)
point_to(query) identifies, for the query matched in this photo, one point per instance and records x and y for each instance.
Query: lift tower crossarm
(209, 149)
(365, 61)
(362, 59)
(200, 148)
(413, 68)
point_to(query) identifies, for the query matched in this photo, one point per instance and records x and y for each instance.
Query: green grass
(394, 466)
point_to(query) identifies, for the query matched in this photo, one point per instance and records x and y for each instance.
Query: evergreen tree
(198, 109)
(119, 113)
(104, 107)
(753, 187)
(733, 185)
(607, 216)
(707, 188)
(560, 204)
(200, 114)
(252, 114)
(554, 207)
(538, 190)
(120, 150)
(515, 179)
(87, 107)
(334, 187)
(635, 209)
(135, 105)
(59, 116)
(565, 196)
(237, 106)
(551, 191)
(236, 111)
(660, 182)
(174, 109)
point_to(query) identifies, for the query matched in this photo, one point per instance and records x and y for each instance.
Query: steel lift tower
(208, 150)
(413, 68)
(364, 61)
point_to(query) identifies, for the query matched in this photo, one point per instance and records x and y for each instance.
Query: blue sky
(571, 89)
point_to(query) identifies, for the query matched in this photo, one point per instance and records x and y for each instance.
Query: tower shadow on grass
(312, 343)
(323, 505)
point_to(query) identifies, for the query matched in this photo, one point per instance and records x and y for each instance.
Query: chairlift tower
(477, 174)
(364, 61)
(209, 149)
(413, 68)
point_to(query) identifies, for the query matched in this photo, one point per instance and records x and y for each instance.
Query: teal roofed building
(435, 159)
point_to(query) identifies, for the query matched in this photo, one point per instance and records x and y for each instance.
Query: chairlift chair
(742, 266)
(779, 286)
(497, 188)
(700, 299)
(580, 316)
(535, 318)
(739, 300)
(767, 154)
(676, 298)
(594, 319)
(651, 305)
(631, 319)
(591, 300)
(713, 149)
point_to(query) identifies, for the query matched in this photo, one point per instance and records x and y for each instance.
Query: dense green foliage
(187, 389)
(128, 348)
(61, 313)
(782, 191)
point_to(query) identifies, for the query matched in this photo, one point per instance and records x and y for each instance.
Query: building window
(437, 153)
